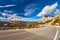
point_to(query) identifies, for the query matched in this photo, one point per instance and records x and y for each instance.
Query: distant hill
(16, 24)
(50, 20)
(57, 20)
(45, 19)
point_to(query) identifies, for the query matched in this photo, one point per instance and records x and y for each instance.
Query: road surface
(47, 33)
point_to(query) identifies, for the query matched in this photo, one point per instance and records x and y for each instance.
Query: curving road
(46, 33)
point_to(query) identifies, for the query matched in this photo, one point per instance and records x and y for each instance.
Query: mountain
(13, 24)
(45, 19)
(56, 20)
(50, 20)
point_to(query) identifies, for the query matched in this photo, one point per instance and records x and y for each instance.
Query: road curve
(30, 34)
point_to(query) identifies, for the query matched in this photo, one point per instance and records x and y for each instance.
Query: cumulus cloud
(48, 9)
(2, 18)
(9, 11)
(7, 6)
(30, 9)
(4, 14)
(57, 10)
(13, 17)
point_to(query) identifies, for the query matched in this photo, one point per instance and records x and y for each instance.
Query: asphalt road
(47, 33)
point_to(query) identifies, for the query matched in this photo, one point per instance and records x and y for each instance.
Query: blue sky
(28, 9)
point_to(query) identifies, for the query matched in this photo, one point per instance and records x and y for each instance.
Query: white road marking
(57, 35)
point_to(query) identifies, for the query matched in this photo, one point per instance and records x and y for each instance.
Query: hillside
(50, 20)
(44, 20)
(57, 20)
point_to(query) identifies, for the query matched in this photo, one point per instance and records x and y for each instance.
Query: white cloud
(48, 9)
(2, 18)
(57, 10)
(4, 14)
(13, 17)
(9, 11)
(7, 6)
(30, 9)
